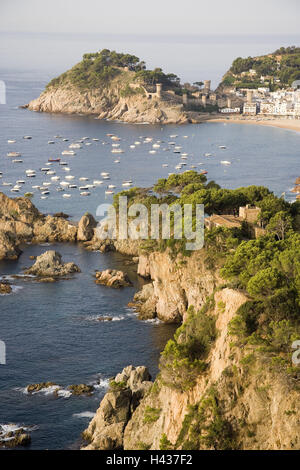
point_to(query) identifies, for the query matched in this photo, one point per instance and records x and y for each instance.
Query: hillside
(227, 380)
(113, 85)
(275, 70)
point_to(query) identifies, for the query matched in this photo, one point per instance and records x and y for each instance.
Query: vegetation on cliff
(97, 69)
(279, 68)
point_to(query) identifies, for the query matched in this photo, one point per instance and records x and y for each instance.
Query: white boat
(17, 161)
(85, 193)
(6, 184)
(132, 146)
(117, 151)
(164, 165)
(11, 141)
(73, 186)
(50, 172)
(222, 147)
(68, 152)
(96, 140)
(45, 193)
(83, 188)
(27, 137)
(20, 182)
(106, 177)
(55, 178)
(104, 173)
(63, 163)
(152, 151)
(83, 178)
(75, 146)
(225, 162)
(156, 146)
(137, 142)
(207, 154)
(64, 183)
(69, 177)
(115, 145)
(13, 154)
(114, 137)
(66, 195)
(126, 184)
(66, 168)
(51, 142)
(116, 161)
(97, 182)
(111, 186)
(109, 191)
(173, 136)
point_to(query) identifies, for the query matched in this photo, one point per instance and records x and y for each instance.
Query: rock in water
(86, 227)
(49, 265)
(112, 278)
(106, 430)
(5, 288)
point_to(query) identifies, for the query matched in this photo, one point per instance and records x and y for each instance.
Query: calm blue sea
(50, 330)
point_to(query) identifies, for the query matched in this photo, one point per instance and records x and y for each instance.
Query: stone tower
(249, 96)
(207, 86)
(158, 90)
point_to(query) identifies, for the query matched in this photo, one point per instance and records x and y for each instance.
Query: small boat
(20, 182)
(203, 172)
(225, 162)
(115, 145)
(31, 175)
(64, 183)
(51, 142)
(70, 177)
(11, 141)
(55, 178)
(17, 161)
(222, 147)
(65, 140)
(83, 178)
(126, 183)
(53, 159)
(156, 146)
(68, 152)
(152, 151)
(116, 161)
(132, 146)
(164, 165)
(45, 193)
(96, 140)
(73, 186)
(75, 146)
(50, 172)
(173, 136)
(117, 151)
(66, 168)
(137, 142)
(207, 155)
(6, 184)
(85, 193)
(14, 154)
(104, 173)
(97, 182)
(66, 195)
(45, 169)
(83, 188)
(63, 163)
(27, 137)
(111, 186)
(114, 137)
(109, 191)
(106, 177)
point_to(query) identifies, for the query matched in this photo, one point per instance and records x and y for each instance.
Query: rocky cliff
(21, 222)
(117, 99)
(235, 400)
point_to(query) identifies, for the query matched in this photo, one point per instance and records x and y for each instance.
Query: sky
(195, 39)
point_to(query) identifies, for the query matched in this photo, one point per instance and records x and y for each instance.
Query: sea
(51, 331)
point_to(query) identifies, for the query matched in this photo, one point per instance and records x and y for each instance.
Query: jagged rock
(15, 438)
(106, 430)
(145, 302)
(49, 265)
(54, 229)
(8, 246)
(31, 388)
(81, 389)
(112, 278)
(5, 288)
(86, 227)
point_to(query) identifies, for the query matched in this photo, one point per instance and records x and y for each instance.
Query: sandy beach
(291, 124)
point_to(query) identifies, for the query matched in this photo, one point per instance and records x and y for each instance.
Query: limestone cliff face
(177, 283)
(21, 222)
(232, 405)
(236, 402)
(108, 103)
